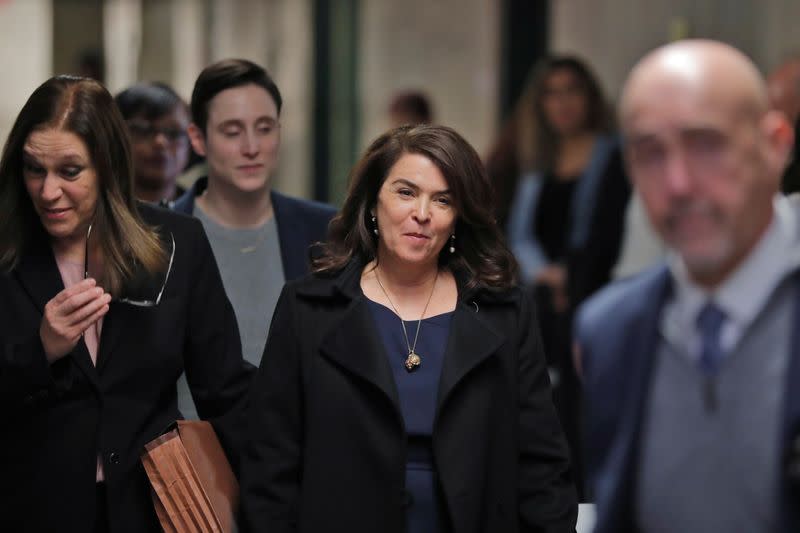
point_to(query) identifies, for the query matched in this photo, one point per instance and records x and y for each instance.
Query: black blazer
(57, 418)
(327, 448)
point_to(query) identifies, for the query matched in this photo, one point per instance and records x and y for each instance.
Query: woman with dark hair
(568, 163)
(419, 400)
(157, 120)
(567, 215)
(104, 302)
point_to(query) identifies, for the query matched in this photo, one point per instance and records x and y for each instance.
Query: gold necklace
(413, 360)
(254, 246)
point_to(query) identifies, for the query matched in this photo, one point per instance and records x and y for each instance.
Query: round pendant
(412, 362)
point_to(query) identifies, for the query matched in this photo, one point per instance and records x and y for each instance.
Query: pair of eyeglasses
(145, 302)
(145, 131)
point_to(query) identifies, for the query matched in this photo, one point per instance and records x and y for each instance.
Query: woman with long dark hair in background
(566, 217)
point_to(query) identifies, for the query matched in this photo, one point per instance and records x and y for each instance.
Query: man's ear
(779, 134)
(197, 138)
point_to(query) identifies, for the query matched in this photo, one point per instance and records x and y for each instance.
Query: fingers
(91, 319)
(88, 308)
(67, 293)
(80, 299)
(69, 314)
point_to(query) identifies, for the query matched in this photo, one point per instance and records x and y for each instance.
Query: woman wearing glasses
(419, 401)
(103, 303)
(157, 119)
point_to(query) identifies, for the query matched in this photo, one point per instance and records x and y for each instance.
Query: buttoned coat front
(327, 448)
(58, 419)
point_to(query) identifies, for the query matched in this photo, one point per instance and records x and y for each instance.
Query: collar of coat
(347, 283)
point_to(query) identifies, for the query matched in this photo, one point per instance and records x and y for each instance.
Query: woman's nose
(423, 212)
(51, 189)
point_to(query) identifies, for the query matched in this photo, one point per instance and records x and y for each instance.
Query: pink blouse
(72, 273)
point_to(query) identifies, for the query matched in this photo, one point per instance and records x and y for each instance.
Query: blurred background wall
(338, 62)
(613, 34)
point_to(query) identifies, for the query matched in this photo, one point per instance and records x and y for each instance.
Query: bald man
(692, 369)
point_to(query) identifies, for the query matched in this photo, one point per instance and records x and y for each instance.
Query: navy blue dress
(417, 392)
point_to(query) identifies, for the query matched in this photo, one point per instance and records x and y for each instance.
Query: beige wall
(76, 25)
(448, 48)
(277, 35)
(613, 34)
(171, 41)
(24, 67)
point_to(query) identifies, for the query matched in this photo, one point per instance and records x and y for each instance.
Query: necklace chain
(411, 349)
(253, 246)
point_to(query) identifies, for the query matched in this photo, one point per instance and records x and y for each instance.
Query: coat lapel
(643, 330)
(353, 345)
(790, 441)
(39, 275)
(290, 238)
(113, 325)
(121, 315)
(471, 342)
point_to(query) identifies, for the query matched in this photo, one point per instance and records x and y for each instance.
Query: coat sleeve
(521, 238)
(27, 379)
(272, 463)
(219, 378)
(547, 495)
(24, 371)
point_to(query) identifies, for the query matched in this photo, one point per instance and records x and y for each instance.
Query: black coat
(327, 447)
(58, 418)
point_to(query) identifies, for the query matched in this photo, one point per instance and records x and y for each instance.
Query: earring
(375, 225)
(453, 243)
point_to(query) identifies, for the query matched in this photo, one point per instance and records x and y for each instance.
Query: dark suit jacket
(618, 332)
(301, 223)
(327, 448)
(58, 418)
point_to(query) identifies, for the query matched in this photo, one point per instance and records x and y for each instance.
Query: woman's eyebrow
(67, 158)
(413, 185)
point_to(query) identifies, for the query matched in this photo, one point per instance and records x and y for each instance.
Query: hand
(554, 276)
(69, 314)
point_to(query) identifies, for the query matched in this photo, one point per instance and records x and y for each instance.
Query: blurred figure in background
(90, 63)
(571, 174)
(157, 120)
(410, 108)
(567, 217)
(692, 369)
(784, 94)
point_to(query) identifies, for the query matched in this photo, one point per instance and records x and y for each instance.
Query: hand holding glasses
(69, 314)
(72, 311)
